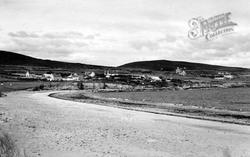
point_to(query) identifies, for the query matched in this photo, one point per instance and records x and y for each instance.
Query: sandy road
(50, 127)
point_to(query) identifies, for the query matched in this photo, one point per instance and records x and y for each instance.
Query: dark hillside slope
(10, 58)
(166, 65)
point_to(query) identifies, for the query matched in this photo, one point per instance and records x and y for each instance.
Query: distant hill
(11, 58)
(166, 65)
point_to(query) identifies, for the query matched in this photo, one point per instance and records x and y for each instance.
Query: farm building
(72, 77)
(49, 77)
(180, 71)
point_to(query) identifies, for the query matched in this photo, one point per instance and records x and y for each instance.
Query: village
(180, 78)
(111, 75)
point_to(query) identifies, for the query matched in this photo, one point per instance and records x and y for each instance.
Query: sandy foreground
(50, 127)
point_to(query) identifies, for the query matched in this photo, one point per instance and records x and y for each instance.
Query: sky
(115, 32)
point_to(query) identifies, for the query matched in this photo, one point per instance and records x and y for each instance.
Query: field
(24, 85)
(234, 99)
(21, 85)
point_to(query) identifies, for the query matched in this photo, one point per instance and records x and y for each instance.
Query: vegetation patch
(37, 88)
(232, 99)
(198, 112)
(7, 146)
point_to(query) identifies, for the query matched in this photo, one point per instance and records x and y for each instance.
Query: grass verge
(235, 117)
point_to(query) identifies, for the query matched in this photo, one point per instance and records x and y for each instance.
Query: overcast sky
(114, 32)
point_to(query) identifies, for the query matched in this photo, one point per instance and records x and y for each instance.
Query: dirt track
(49, 127)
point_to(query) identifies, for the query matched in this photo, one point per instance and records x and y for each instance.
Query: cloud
(229, 50)
(51, 45)
(93, 48)
(226, 50)
(56, 35)
(102, 31)
(23, 34)
(53, 35)
(92, 36)
(144, 44)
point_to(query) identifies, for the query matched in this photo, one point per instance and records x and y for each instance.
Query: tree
(80, 85)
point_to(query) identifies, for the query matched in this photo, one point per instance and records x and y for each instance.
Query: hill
(11, 58)
(166, 65)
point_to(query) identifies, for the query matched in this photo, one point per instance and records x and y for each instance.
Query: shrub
(177, 82)
(2, 94)
(7, 146)
(41, 86)
(80, 85)
(37, 88)
(105, 85)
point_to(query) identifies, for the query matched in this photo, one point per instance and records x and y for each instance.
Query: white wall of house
(49, 77)
(27, 74)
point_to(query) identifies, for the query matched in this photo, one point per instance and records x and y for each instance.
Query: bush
(37, 88)
(41, 86)
(2, 94)
(105, 85)
(177, 82)
(80, 85)
(7, 146)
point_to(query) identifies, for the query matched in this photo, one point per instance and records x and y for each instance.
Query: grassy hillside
(15, 60)
(10, 58)
(165, 65)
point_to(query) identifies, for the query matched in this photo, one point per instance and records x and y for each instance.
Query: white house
(92, 74)
(72, 77)
(49, 77)
(226, 75)
(154, 78)
(27, 75)
(180, 71)
(219, 78)
(229, 76)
